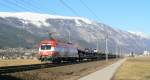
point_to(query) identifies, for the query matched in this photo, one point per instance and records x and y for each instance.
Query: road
(105, 73)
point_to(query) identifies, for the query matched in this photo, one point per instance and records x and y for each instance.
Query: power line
(31, 5)
(8, 6)
(15, 3)
(40, 8)
(71, 9)
(90, 10)
(21, 4)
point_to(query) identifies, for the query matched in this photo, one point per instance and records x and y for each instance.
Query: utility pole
(116, 50)
(69, 36)
(23, 30)
(106, 49)
(97, 46)
(120, 51)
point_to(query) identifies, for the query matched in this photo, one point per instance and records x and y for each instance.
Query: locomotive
(55, 51)
(52, 50)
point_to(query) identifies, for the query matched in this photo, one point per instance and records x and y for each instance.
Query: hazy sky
(128, 15)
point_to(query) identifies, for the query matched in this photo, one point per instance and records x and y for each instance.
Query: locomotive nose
(44, 53)
(49, 53)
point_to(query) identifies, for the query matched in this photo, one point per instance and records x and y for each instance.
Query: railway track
(20, 68)
(62, 71)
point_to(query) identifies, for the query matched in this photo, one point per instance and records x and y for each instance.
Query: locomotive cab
(47, 50)
(45, 47)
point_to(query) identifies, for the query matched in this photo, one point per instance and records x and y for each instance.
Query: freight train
(51, 50)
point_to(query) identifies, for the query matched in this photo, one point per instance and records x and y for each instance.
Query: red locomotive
(52, 50)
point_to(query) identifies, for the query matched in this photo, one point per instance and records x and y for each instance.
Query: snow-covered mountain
(84, 32)
(40, 19)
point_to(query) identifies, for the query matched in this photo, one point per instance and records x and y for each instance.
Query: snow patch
(141, 34)
(36, 17)
(78, 23)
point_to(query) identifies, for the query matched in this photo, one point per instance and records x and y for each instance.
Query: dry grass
(15, 62)
(68, 72)
(134, 69)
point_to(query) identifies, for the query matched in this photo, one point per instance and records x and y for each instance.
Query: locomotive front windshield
(45, 47)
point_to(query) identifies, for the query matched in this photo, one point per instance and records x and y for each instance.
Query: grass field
(134, 69)
(67, 72)
(15, 62)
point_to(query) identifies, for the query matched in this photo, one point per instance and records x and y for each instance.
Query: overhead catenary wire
(15, 3)
(3, 4)
(22, 2)
(90, 10)
(23, 5)
(37, 7)
(70, 8)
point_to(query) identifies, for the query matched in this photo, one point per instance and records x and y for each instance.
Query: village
(18, 53)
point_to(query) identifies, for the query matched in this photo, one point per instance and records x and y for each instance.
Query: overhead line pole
(69, 36)
(97, 44)
(106, 49)
(116, 50)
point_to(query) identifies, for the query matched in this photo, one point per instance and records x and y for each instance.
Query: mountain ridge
(88, 32)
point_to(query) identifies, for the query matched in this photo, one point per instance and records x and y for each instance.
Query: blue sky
(128, 15)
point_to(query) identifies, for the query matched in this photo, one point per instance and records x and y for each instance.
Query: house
(146, 53)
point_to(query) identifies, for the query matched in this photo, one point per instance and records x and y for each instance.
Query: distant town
(18, 53)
